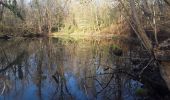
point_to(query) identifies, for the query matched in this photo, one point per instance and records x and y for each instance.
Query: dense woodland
(19, 17)
(46, 16)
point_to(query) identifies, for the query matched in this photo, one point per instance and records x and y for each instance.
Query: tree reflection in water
(55, 68)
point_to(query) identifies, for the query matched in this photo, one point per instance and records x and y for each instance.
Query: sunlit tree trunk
(48, 19)
(39, 16)
(1, 11)
(154, 23)
(141, 33)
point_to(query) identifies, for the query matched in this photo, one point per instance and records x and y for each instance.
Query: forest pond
(56, 68)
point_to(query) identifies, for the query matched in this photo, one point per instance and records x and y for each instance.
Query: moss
(141, 92)
(115, 47)
(116, 50)
(115, 37)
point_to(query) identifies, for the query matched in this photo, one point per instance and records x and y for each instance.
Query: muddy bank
(7, 37)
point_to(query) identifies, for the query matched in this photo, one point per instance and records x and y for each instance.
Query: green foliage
(141, 92)
(116, 50)
(115, 37)
(69, 29)
(115, 47)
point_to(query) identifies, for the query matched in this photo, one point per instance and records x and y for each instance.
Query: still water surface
(56, 69)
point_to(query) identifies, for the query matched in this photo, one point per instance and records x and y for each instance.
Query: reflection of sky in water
(30, 93)
(27, 93)
(74, 88)
(75, 66)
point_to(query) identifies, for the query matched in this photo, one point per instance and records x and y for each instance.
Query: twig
(99, 83)
(3, 89)
(145, 67)
(115, 72)
(106, 85)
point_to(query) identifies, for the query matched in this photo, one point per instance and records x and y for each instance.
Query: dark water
(56, 69)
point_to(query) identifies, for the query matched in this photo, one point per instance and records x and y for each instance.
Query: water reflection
(53, 69)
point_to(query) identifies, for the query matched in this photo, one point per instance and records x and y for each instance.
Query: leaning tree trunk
(141, 32)
(13, 8)
(167, 2)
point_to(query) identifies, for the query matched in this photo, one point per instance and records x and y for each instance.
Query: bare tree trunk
(141, 32)
(154, 23)
(146, 10)
(1, 12)
(39, 17)
(48, 19)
